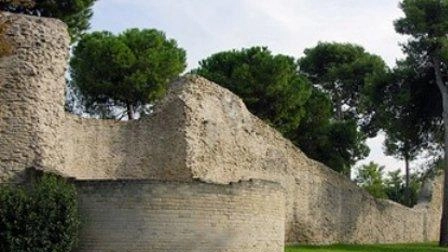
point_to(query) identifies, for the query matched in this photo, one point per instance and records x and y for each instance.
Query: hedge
(42, 216)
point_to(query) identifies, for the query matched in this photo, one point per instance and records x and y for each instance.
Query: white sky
(204, 27)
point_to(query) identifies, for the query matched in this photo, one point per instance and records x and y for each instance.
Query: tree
(426, 21)
(343, 71)
(126, 70)
(410, 121)
(370, 177)
(269, 84)
(402, 119)
(75, 13)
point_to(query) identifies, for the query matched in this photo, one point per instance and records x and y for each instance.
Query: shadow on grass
(370, 248)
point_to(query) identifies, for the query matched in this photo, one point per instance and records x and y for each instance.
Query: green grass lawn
(369, 248)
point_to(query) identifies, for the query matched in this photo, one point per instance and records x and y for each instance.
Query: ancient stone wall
(150, 148)
(430, 202)
(209, 135)
(156, 216)
(199, 132)
(226, 143)
(31, 94)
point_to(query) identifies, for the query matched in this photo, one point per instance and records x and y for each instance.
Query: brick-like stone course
(157, 216)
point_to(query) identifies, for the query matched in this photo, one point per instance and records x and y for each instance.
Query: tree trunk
(339, 116)
(444, 220)
(443, 241)
(130, 111)
(407, 191)
(338, 113)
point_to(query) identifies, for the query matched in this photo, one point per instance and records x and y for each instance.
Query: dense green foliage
(127, 70)
(424, 20)
(42, 217)
(401, 121)
(75, 13)
(343, 71)
(268, 84)
(312, 134)
(368, 248)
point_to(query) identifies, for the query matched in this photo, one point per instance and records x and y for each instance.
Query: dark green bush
(40, 217)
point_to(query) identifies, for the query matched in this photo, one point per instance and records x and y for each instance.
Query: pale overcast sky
(203, 27)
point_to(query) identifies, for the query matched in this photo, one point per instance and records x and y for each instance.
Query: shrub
(40, 217)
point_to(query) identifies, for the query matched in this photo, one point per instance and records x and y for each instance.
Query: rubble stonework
(32, 85)
(199, 139)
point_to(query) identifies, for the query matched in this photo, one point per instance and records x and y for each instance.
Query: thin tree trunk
(444, 220)
(443, 241)
(407, 192)
(338, 113)
(339, 116)
(130, 111)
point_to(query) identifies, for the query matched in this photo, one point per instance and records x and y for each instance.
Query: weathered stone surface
(156, 216)
(32, 88)
(199, 132)
(202, 131)
(150, 148)
(207, 134)
(226, 143)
